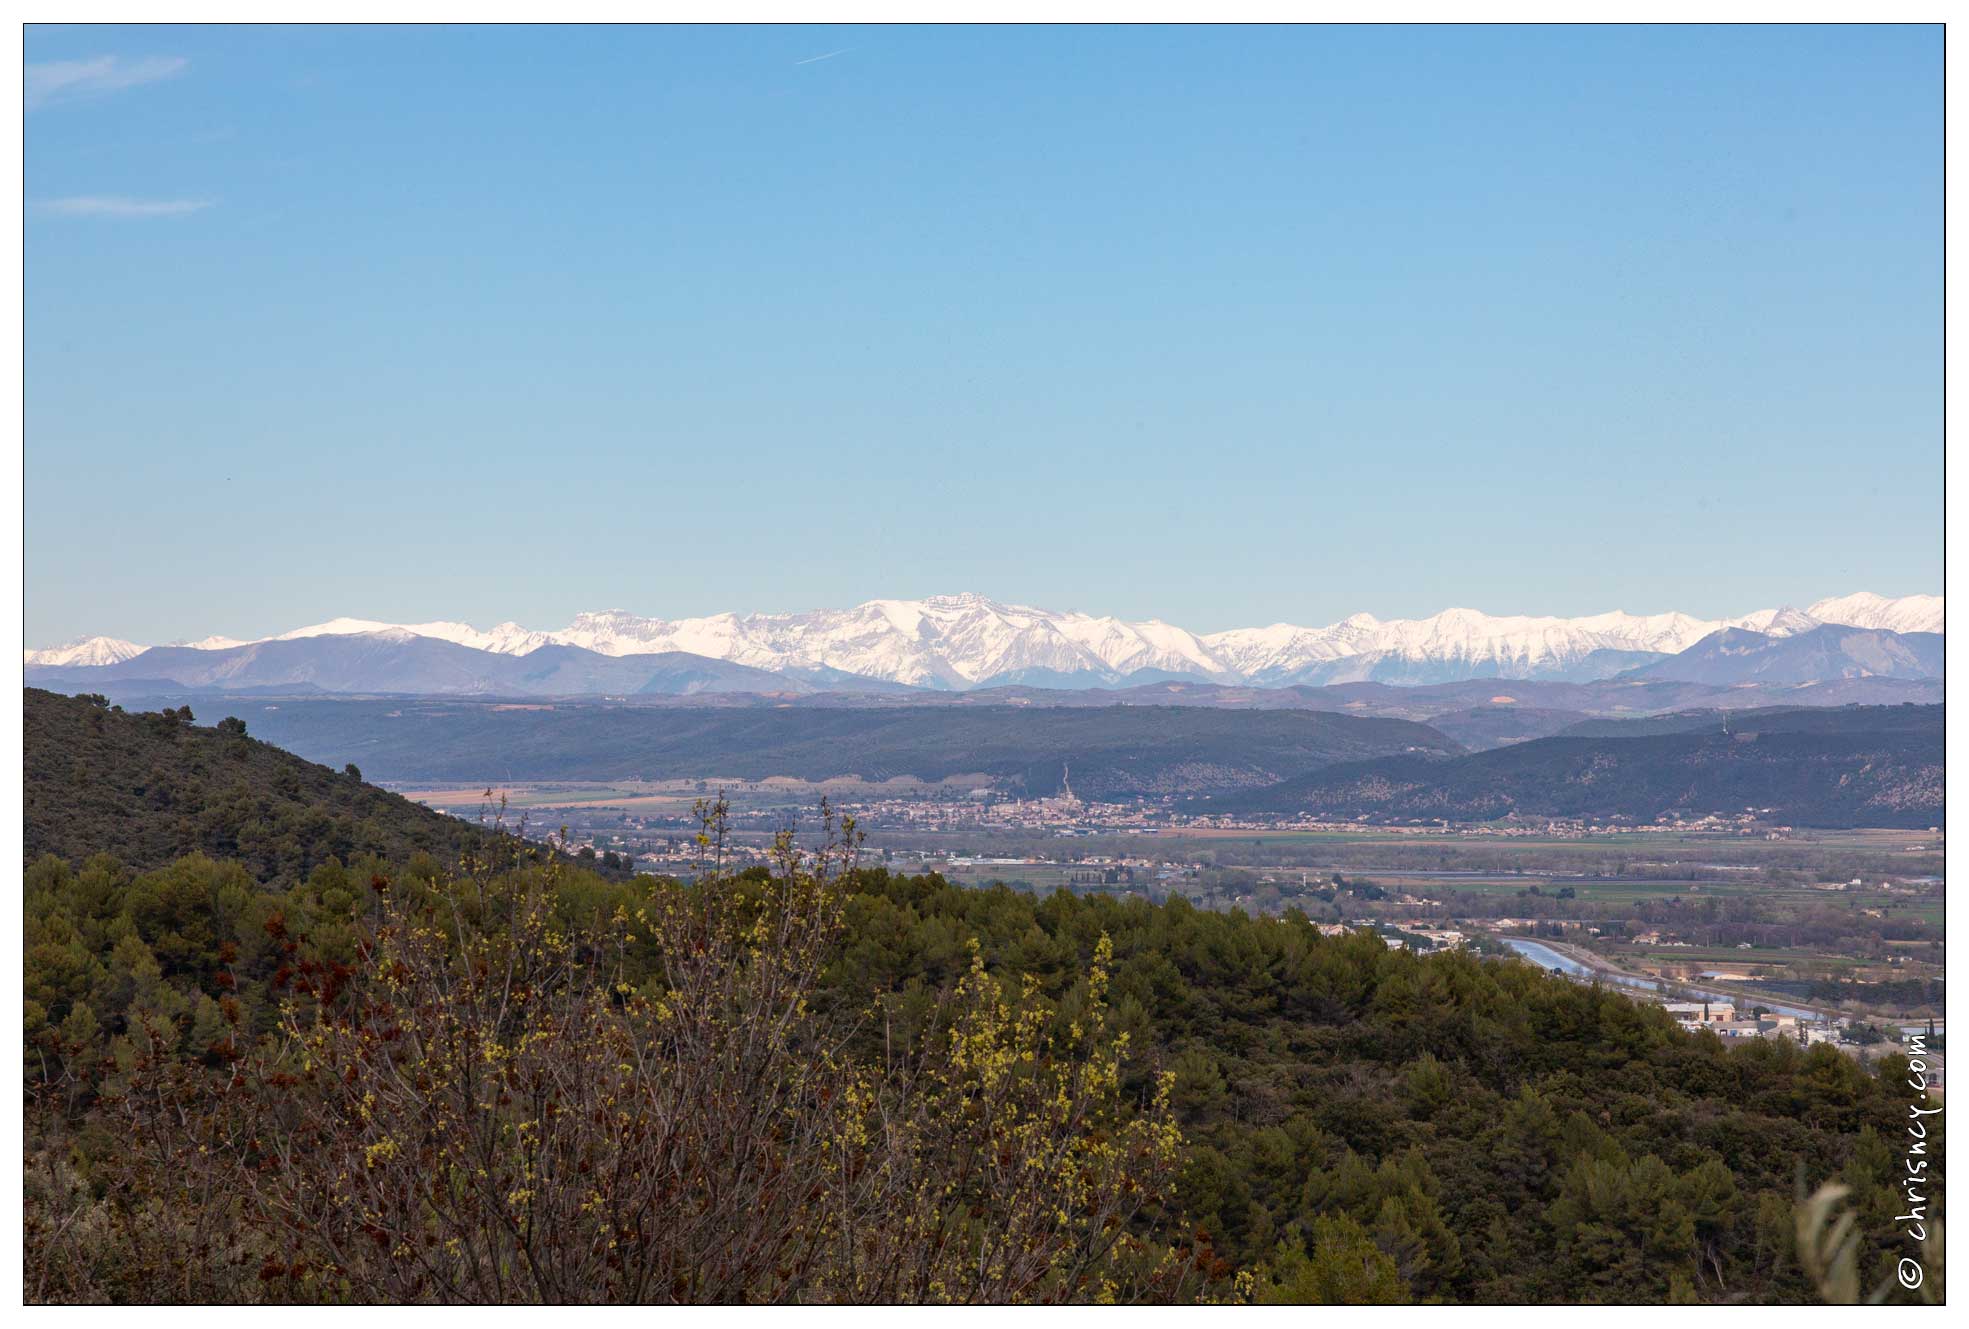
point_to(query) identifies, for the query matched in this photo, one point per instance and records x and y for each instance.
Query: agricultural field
(669, 798)
(1781, 911)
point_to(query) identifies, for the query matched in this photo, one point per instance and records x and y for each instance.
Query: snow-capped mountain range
(962, 641)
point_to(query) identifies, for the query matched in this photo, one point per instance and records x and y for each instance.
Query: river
(1546, 958)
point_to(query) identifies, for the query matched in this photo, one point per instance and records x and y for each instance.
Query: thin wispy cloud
(111, 205)
(814, 59)
(54, 82)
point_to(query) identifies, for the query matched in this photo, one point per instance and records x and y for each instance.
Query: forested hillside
(1114, 752)
(1868, 766)
(1908, 719)
(1358, 1123)
(1309, 1117)
(152, 787)
(1498, 1134)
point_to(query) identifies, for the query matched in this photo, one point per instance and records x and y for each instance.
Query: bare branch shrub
(498, 1105)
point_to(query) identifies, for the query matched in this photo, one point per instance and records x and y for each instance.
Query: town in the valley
(1739, 925)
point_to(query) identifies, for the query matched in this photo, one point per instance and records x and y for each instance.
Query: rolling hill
(1868, 766)
(1103, 752)
(152, 787)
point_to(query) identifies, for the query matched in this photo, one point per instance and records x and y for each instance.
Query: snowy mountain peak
(506, 639)
(1910, 613)
(961, 600)
(1789, 622)
(85, 651)
(967, 640)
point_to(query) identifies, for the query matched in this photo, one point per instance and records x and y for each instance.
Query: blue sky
(1226, 326)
